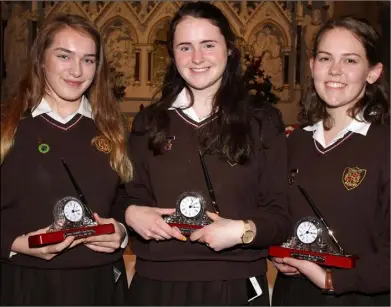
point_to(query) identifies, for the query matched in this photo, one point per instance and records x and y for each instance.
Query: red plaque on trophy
(313, 240)
(72, 217)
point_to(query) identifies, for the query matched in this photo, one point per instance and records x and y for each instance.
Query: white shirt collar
(358, 125)
(44, 108)
(182, 102)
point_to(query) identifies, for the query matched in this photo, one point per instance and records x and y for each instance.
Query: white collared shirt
(182, 102)
(44, 108)
(357, 126)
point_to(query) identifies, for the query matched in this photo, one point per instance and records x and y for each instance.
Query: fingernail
(184, 238)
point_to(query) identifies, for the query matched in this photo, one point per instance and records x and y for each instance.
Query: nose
(335, 69)
(76, 69)
(198, 56)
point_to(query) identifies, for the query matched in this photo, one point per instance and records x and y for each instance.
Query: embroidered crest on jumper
(168, 145)
(103, 144)
(352, 177)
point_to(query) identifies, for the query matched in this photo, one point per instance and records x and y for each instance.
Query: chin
(71, 98)
(201, 86)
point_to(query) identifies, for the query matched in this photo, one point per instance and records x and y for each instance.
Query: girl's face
(341, 70)
(200, 53)
(69, 65)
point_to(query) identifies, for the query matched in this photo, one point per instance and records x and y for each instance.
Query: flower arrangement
(259, 84)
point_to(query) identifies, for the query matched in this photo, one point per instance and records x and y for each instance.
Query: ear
(374, 73)
(312, 60)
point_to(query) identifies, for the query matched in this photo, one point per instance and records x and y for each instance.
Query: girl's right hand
(284, 268)
(47, 252)
(149, 224)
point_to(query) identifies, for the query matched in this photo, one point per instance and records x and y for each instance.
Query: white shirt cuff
(126, 239)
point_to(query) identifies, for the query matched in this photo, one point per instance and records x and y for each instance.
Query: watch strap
(247, 226)
(329, 282)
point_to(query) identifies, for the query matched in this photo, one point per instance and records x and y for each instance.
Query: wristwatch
(248, 235)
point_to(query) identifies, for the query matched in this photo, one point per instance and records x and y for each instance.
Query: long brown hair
(31, 88)
(375, 103)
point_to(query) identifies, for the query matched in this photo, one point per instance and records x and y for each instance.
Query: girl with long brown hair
(63, 108)
(342, 159)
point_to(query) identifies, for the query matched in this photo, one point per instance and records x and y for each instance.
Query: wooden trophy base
(59, 236)
(185, 229)
(340, 261)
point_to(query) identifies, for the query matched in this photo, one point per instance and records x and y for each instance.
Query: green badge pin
(43, 148)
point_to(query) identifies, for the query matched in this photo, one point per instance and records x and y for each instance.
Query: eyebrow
(344, 54)
(202, 42)
(69, 51)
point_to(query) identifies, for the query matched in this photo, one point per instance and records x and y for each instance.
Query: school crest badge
(103, 144)
(352, 177)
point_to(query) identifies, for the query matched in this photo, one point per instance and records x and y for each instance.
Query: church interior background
(135, 34)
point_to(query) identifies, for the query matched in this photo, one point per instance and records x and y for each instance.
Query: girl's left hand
(106, 243)
(222, 233)
(311, 270)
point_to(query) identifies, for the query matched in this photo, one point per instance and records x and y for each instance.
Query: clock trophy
(313, 240)
(72, 217)
(190, 208)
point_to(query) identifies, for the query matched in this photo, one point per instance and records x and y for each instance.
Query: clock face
(73, 211)
(307, 232)
(190, 206)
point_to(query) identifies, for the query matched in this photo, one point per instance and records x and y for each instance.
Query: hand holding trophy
(190, 213)
(313, 240)
(72, 217)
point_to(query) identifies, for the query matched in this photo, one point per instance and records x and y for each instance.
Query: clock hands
(319, 215)
(78, 190)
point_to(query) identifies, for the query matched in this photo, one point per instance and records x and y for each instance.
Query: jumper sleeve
(9, 232)
(139, 190)
(272, 218)
(372, 272)
(121, 202)
(11, 226)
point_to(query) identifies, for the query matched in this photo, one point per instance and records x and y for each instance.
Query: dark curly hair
(375, 103)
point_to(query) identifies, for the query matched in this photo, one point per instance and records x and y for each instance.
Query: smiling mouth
(335, 84)
(73, 83)
(199, 69)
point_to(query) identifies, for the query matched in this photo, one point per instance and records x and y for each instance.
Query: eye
(184, 48)
(323, 58)
(90, 60)
(350, 61)
(63, 56)
(209, 46)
